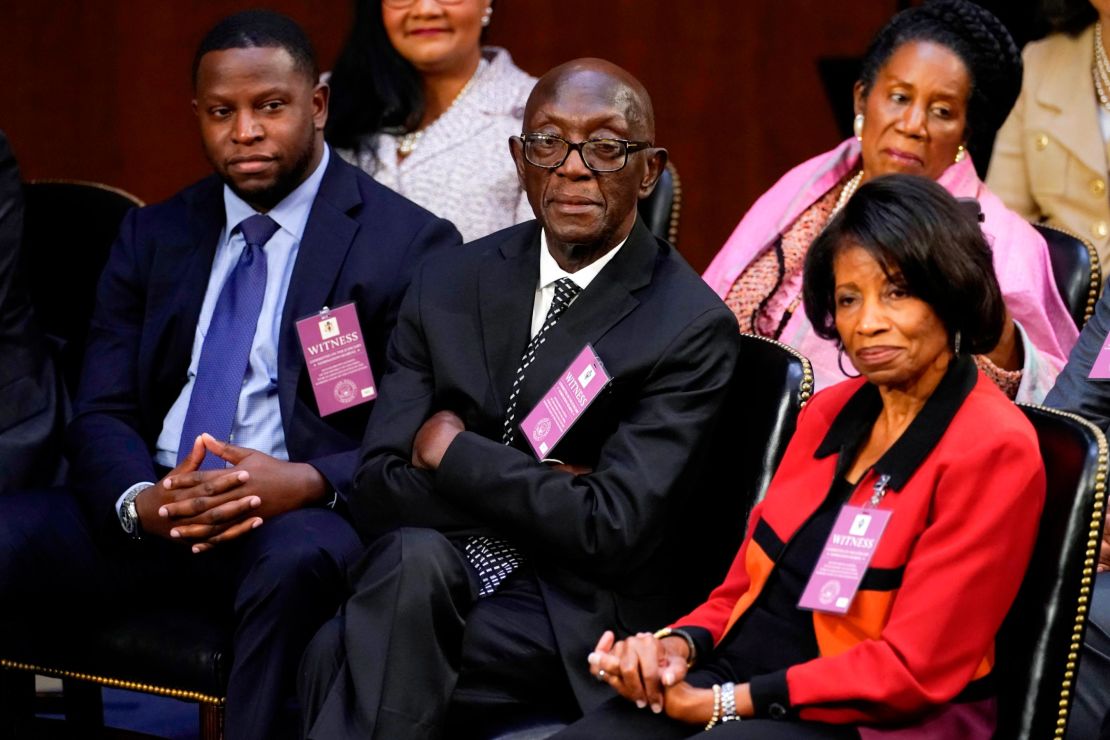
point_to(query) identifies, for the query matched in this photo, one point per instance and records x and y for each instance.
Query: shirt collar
(291, 214)
(550, 270)
(851, 426)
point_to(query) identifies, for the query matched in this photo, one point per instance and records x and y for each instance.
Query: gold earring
(961, 154)
(857, 126)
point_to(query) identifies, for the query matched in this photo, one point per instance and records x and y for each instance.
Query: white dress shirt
(257, 422)
(550, 272)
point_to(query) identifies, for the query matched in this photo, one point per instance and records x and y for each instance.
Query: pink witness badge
(843, 562)
(574, 391)
(335, 354)
(1100, 370)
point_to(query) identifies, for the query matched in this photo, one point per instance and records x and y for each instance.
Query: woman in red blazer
(902, 278)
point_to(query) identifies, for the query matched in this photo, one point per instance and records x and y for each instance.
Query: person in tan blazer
(1050, 157)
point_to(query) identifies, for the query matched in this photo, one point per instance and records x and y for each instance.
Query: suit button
(776, 711)
(1100, 229)
(1041, 142)
(1098, 186)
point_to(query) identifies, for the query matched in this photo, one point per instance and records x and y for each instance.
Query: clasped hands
(207, 507)
(652, 672)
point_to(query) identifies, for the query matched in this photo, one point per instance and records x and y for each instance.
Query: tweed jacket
(1050, 159)
(461, 169)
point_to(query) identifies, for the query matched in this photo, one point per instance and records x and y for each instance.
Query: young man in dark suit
(206, 470)
(494, 570)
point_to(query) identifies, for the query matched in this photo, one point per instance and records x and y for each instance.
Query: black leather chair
(68, 228)
(769, 387)
(170, 652)
(661, 209)
(1039, 644)
(771, 384)
(1076, 270)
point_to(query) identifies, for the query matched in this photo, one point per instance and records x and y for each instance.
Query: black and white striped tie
(495, 559)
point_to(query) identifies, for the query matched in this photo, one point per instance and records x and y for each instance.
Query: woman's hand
(639, 667)
(688, 704)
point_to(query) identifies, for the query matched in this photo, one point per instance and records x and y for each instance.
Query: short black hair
(1068, 16)
(979, 39)
(926, 242)
(260, 28)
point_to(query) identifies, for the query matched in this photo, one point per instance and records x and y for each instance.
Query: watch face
(127, 516)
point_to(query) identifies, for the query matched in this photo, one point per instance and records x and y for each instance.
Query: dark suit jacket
(600, 542)
(362, 243)
(1073, 391)
(31, 405)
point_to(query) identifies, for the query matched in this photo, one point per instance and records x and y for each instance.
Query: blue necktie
(227, 346)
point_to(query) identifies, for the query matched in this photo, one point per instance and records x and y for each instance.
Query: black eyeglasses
(600, 155)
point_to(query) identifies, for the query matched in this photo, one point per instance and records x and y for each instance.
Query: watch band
(129, 513)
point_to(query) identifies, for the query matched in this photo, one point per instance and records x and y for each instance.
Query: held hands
(640, 667)
(652, 672)
(207, 507)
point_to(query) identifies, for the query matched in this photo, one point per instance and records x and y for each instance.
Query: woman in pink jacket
(934, 79)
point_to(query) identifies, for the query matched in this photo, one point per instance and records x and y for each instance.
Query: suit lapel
(1067, 102)
(601, 306)
(187, 264)
(506, 292)
(327, 239)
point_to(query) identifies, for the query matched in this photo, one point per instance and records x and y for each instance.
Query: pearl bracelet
(716, 707)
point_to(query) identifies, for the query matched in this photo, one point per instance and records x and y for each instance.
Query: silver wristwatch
(129, 514)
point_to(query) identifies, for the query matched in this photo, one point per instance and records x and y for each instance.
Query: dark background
(100, 90)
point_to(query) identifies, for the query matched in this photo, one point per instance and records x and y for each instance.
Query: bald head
(600, 80)
(586, 212)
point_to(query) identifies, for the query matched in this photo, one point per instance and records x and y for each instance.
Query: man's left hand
(433, 439)
(282, 486)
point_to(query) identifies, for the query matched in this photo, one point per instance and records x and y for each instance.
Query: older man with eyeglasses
(522, 476)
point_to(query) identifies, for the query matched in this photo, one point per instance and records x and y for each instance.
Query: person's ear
(858, 98)
(656, 162)
(321, 94)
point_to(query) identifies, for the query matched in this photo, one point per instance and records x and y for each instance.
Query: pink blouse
(1020, 260)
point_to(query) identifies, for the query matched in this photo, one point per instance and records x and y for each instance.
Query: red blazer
(967, 486)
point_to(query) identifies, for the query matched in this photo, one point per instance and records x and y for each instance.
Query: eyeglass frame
(630, 147)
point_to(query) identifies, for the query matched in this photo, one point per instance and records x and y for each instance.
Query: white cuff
(137, 487)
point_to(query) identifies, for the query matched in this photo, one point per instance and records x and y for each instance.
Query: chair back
(770, 385)
(68, 230)
(660, 210)
(1076, 270)
(1037, 649)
